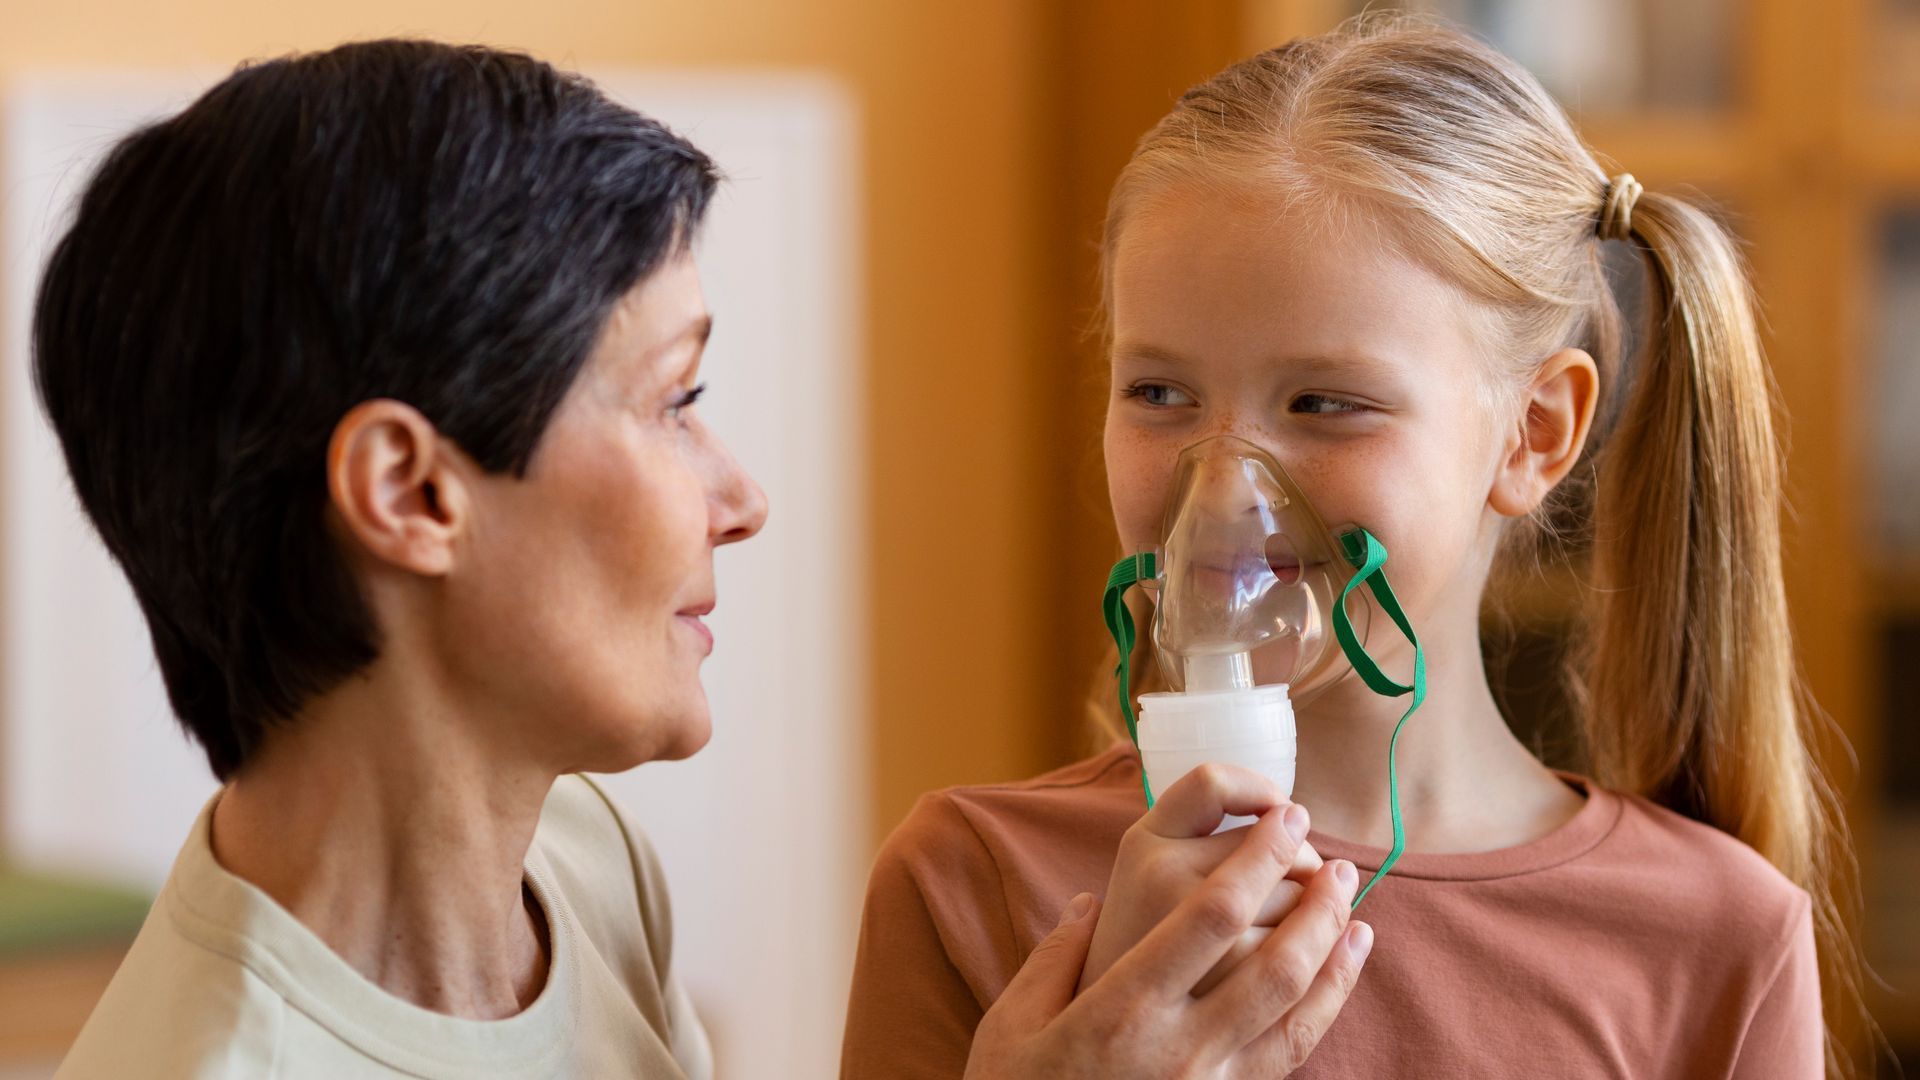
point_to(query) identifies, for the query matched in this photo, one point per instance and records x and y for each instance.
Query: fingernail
(1344, 873)
(1296, 822)
(1077, 908)
(1359, 941)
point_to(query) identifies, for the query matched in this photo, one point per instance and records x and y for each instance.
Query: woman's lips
(699, 628)
(691, 617)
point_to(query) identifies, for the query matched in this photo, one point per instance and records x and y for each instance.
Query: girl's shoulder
(998, 862)
(1656, 832)
(1081, 808)
(1697, 877)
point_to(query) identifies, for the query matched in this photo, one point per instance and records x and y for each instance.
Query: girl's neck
(1466, 783)
(382, 820)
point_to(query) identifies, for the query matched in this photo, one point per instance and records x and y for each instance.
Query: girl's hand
(1142, 1018)
(1166, 855)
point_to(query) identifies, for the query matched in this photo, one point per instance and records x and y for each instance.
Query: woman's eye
(686, 401)
(1159, 395)
(1322, 403)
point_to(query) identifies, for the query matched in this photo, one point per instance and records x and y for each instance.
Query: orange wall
(951, 99)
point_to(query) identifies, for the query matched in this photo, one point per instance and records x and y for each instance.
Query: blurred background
(918, 188)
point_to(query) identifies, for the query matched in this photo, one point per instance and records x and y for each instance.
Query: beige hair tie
(1616, 210)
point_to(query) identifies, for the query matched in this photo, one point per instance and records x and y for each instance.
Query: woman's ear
(1553, 429)
(396, 486)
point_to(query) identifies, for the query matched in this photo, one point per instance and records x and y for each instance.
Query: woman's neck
(1466, 783)
(383, 821)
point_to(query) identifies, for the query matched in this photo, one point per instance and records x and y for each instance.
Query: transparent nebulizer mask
(1256, 606)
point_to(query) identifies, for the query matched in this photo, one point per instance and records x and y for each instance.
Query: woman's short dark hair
(446, 226)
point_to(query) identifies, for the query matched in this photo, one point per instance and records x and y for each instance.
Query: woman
(375, 370)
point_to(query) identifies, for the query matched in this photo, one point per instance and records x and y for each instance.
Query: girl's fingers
(1278, 975)
(1285, 1046)
(1185, 945)
(1196, 803)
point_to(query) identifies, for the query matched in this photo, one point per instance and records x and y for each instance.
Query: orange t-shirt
(1630, 941)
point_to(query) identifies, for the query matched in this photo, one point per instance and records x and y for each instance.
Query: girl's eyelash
(1340, 405)
(1337, 406)
(1142, 390)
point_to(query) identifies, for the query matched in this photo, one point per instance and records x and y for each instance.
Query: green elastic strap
(1126, 573)
(1368, 557)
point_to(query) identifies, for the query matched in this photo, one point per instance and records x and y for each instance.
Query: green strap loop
(1127, 573)
(1369, 559)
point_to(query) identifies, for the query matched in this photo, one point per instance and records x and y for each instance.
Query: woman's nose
(740, 508)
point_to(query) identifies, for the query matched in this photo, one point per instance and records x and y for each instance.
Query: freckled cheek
(1139, 475)
(1354, 486)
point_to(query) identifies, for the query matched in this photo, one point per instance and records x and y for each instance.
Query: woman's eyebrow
(649, 359)
(699, 330)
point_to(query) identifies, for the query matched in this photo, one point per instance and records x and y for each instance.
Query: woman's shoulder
(603, 866)
(582, 829)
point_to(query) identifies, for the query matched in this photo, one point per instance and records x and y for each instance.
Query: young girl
(1377, 254)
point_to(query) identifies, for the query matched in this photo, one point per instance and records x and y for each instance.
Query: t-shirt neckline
(1571, 839)
(227, 914)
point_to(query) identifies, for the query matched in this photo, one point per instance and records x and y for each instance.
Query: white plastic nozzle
(1211, 673)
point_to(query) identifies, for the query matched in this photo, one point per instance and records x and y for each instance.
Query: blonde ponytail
(1689, 685)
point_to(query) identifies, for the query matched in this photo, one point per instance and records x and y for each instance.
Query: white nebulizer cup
(1246, 579)
(1249, 728)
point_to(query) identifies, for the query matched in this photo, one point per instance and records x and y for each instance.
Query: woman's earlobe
(391, 488)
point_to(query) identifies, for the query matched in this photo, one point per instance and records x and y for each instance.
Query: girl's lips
(1287, 570)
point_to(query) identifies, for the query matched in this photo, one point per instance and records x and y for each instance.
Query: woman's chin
(665, 735)
(691, 741)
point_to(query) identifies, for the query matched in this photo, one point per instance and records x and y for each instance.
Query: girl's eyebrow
(1351, 365)
(1336, 365)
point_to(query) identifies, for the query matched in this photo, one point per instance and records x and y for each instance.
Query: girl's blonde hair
(1686, 684)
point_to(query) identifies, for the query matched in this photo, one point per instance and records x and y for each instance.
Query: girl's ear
(397, 488)
(1553, 429)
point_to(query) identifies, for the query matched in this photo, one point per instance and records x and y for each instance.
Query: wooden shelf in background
(1895, 587)
(1709, 151)
(45, 998)
(1884, 151)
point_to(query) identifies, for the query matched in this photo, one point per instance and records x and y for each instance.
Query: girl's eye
(1323, 404)
(1158, 395)
(686, 401)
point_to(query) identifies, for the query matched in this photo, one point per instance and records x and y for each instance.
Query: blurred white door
(764, 833)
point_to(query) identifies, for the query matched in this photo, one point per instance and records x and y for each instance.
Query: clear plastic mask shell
(1249, 574)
